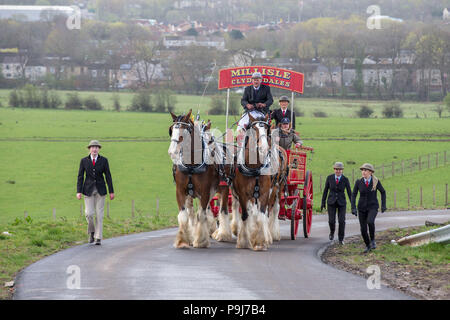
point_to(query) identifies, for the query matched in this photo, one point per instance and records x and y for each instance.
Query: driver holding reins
(256, 100)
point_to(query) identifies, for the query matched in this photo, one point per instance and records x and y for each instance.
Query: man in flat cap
(256, 100)
(335, 187)
(368, 204)
(283, 112)
(95, 167)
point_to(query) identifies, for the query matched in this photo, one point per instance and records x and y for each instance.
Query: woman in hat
(335, 187)
(368, 204)
(283, 112)
(96, 169)
(285, 135)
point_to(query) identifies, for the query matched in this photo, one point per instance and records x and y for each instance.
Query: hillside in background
(256, 11)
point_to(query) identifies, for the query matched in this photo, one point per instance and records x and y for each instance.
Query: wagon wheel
(307, 199)
(294, 222)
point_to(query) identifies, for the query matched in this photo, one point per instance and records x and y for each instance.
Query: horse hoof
(181, 245)
(260, 248)
(223, 238)
(201, 245)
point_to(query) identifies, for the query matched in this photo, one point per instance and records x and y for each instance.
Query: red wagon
(298, 203)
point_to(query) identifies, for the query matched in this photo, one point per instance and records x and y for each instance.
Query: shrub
(165, 100)
(45, 101)
(217, 105)
(32, 98)
(55, 100)
(439, 109)
(116, 102)
(14, 99)
(392, 110)
(73, 102)
(92, 103)
(141, 102)
(320, 114)
(364, 112)
(447, 101)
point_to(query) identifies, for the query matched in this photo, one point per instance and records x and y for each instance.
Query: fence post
(132, 208)
(420, 163)
(446, 194)
(107, 209)
(25, 214)
(445, 158)
(54, 213)
(393, 168)
(428, 155)
(157, 208)
(434, 195)
(407, 191)
(437, 159)
(421, 197)
(403, 167)
(395, 199)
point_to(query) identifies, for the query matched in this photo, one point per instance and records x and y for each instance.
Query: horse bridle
(177, 125)
(265, 123)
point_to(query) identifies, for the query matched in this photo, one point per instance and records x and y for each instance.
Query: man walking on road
(95, 167)
(336, 184)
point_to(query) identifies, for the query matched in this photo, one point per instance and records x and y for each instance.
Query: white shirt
(93, 158)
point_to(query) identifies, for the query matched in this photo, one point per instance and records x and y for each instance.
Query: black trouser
(332, 219)
(367, 218)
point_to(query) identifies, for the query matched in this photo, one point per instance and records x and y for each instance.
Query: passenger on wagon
(286, 135)
(283, 112)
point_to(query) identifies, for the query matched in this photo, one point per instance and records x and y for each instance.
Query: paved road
(146, 266)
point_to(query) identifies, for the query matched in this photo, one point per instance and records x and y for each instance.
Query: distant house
(11, 67)
(35, 70)
(34, 13)
(176, 42)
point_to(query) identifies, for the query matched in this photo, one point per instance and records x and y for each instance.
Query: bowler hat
(285, 120)
(338, 165)
(94, 143)
(284, 98)
(256, 75)
(367, 166)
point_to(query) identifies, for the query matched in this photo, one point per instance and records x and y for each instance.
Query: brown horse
(252, 188)
(195, 177)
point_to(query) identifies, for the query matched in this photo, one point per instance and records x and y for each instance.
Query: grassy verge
(32, 240)
(422, 272)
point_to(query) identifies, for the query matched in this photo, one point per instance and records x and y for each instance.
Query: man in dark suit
(336, 184)
(96, 168)
(283, 112)
(368, 204)
(257, 96)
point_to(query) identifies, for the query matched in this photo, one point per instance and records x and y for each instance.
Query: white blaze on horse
(252, 187)
(195, 176)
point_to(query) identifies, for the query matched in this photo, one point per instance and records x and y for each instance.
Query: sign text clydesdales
(274, 77)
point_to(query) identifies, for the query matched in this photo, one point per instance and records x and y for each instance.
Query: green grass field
(41, 150)
(336, 108)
